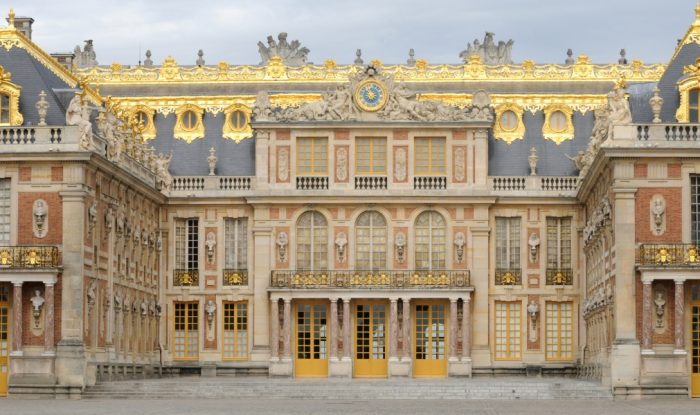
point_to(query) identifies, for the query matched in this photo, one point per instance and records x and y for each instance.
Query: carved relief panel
(400, 164)
(283, 164)
(459, 164)
(341, 164)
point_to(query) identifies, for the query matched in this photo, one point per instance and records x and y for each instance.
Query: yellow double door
(695, 352)
(4, 340)
(429, 339)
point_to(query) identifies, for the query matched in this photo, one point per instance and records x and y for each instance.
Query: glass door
(311, 354)
(370, 340)
(430, 344)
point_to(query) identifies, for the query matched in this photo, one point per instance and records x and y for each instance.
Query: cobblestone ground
(307, 407)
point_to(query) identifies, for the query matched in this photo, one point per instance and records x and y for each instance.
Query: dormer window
(9, 100)
(4, 109)
(237, 123)
(189, 125)
(693, 107)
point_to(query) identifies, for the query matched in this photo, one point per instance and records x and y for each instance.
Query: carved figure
(578, 159)
(211, 244)
(400, 244)
(656, 102)
(341, 241)
(210, 309)
(77, 114)
(290, 52)
(263, 108)
(658, 213)
(659, 306)
(534, 243)
(282, 242)
(163, 177)
(619, 110)
(109, 219)
(459, 243)
(489, 52)
(533, 309)
(37, 302)
(92, 216)
(40, 218)
(86, 57)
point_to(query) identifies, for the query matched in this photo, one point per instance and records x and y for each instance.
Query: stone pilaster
(453, 330)
(274, 329)
(467, 328)
(393, 329)
(17, 319)
(346, 329)
(49, 319)
(480, 277)
(339, 367)
(263, 256)
(679, 329)
(646, 318)
(287, 329)
(406, 304)
(333, 329)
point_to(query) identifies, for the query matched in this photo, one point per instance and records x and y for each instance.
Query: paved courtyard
(404, 407)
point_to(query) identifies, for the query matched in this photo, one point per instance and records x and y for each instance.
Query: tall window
(694, 105)
(560, 341)
(312, 242)
(186, 330)
(430, 156)
(236, 243)
(370, 155)
(559, 243)
(236, 330)
(187, 244)
(508, 243)
(4, 212)
(4, 109)
(370, 241)
(431, 250)
(695, 208)
(508, 330)
(312, 156)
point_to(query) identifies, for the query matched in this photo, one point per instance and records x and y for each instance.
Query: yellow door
(4, 338)
(370, 340)
(430, 340)
(311, 340)
(695, 362)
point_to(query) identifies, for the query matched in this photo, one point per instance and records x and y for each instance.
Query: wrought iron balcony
(185, 277)
(674, 255)
(508, 276)
(560, 276)
(28, 257)
(377, 279)
(233, 277)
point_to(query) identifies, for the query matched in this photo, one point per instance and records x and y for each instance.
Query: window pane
(312, 241)
(5, 212)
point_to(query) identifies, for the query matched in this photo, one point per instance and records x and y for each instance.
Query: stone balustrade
(523, 185)
(430, 182)
(312, 183)
(186, 185)
(371, 182)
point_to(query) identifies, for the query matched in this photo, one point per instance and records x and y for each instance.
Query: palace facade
(363, 220)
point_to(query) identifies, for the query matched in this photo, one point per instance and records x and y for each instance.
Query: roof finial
(697, 12)
(11, 18)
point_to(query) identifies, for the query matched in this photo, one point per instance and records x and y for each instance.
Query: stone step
(254, 387)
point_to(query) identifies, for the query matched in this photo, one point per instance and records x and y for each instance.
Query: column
(625, 280)
(48, 319)
(393, 329)
(262, 243)
(333, 322)
(467, 327)
(680, 318)
(17, 319)
(346, 329)
(275, 328)
(406, 328)
(287, 329)
(646, 317)
(453, 329)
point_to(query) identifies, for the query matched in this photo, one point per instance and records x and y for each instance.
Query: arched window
(312, 242)
(430, 245)
(370, 241)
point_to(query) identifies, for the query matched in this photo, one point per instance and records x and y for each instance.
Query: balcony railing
(430, 182)
(371, 182)
(211, 183)
(403, 279)
(560, 276)
(312, 183)
(508, 184)
(185, 277)
(508, 276)
(233, 277)
(28, 257)
(31, 135)
(664, 255)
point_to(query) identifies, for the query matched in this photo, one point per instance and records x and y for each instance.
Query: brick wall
(666, 336)
(674, 206)
(25, 235)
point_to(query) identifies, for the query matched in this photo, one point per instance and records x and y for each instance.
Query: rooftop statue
(291, 53)
(85, 58)
(489, 52)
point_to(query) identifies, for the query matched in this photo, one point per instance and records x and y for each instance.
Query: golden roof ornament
(11, 18)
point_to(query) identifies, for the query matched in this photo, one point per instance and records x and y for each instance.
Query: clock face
(370, 96)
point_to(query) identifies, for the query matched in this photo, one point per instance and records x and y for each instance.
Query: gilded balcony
(235, 277)
(669, 255)
(559, 276)
(185, 277)
(29, 257)
(508, 276)
(370, 279)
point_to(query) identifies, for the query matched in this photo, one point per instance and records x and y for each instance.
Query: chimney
(65, 59)
(23, 25)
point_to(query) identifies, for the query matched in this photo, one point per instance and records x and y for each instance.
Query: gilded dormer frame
(148, 132)
(689, 82)
(233, 132)
(182, 132)
(558, 136)
(12, 92)
(500, 132)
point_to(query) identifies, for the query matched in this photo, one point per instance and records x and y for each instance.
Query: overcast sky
(438, 30)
